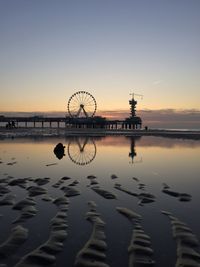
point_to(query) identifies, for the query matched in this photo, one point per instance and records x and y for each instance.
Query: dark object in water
(59, 150)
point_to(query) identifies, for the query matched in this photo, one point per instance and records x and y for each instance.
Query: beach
(99, 133)
(108, 200)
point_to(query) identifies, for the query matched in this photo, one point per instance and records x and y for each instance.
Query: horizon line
(106, 110)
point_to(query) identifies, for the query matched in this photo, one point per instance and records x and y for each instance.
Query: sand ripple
(45, 254)
(140, 251)
(27, 209)
(181, 196)
(143, 197)
(18, 236)
(8, 200)
(93, 253)
(187, 243)
(104, 193)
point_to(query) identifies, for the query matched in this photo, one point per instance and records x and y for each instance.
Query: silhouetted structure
(59, 150)
(81, 110)
(81, 105)
(133, 122)
(85, 121)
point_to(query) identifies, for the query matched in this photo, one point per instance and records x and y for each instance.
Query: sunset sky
(50, 49)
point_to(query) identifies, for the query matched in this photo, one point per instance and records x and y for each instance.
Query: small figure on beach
(13, 124)
(59, 150)
(10, 125)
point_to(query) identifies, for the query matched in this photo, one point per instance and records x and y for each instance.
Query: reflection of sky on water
(173, 161)
(163, 159)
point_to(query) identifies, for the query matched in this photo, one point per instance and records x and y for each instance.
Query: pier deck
(46, 122)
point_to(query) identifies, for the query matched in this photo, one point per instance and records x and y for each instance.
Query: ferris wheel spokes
(82, 104)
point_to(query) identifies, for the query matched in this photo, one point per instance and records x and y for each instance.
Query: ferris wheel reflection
(82, 150)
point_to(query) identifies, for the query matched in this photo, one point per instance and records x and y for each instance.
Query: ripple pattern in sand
(187, 243)
(44, 255)
(18, 236)
(181, 196)
(27, 209)
(93, 253)
(104, 193)
(140, 251)
(143, 197)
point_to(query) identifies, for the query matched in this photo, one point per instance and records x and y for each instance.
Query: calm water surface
(153, 160)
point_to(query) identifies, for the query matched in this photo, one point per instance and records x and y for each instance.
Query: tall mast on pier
(133, 104)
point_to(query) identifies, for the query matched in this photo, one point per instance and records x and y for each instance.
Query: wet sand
(140, 251)
(113, 208)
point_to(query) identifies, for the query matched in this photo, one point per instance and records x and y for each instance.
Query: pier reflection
(82, 150)
(132, 153)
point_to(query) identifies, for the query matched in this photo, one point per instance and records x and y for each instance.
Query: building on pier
(133, 122)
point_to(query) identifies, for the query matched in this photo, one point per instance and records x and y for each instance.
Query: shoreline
(60, 132)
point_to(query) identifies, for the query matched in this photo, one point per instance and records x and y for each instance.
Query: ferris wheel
(81, 104)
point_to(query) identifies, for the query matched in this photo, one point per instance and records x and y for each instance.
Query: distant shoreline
(54, 132)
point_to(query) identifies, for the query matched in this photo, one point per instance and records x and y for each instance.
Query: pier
(81, 109)
(67, 122)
